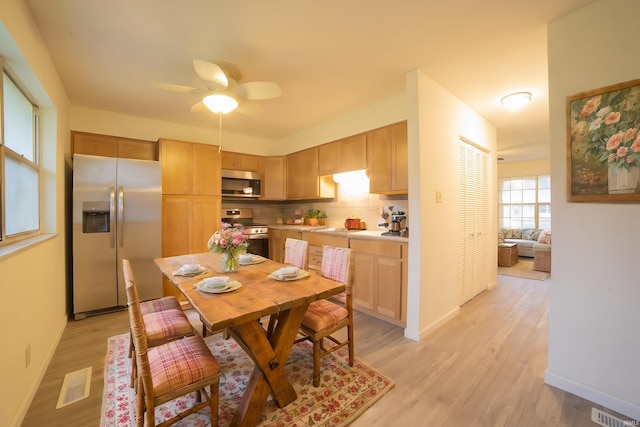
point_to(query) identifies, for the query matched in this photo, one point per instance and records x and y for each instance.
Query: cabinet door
(399, 158)
(309, 184)
(354, 153)
(379, 160)
(177, 167)
(364, 278)
(329, 158)
(240, 161)
(176, 233)
(293, 172)
(273, 183)
(207, 175)
(205, 220)
(94, 144)
(388, 292)
(136, 149)
(276, 245)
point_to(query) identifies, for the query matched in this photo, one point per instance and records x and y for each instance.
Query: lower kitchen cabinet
(277, 239)
(380, 279)
(316, 241)
(187, 224)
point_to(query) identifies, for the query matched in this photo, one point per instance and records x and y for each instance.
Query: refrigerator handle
(120, 216)
(112, 216)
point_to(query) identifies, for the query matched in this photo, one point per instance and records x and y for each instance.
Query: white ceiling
(329, 57)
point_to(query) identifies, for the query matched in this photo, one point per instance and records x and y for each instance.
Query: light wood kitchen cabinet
(190, 168)
(316, 241)
(187, 224)
(277, 239)
(344, 155)
(273, 182)
(387, 159)
(303, 181)
(242, 162)
(113, 146)
(380, 279)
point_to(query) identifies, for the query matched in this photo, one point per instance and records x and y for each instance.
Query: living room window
(20, 165)
(525, 202)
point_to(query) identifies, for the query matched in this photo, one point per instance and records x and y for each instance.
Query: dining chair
(323, 319)
(161, 325)
(170, 370)
(296, 253)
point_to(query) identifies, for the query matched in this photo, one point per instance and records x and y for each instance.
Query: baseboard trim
(37, 379)
(422, 334)
(616, 404)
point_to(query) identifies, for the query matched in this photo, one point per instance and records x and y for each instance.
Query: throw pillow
(507, 233)
(500, 237)
(527, 233)
(516, 233)
(545, 237)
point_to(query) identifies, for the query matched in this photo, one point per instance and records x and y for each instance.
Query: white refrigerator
(117, 208)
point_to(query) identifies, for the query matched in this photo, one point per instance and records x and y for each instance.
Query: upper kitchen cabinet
(190, 168)
(273, 182)
(242, 162)
(344, 155)
(113, 146)
(303, 180)
(387, 160)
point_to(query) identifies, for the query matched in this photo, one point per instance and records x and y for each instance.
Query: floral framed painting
(603, 144)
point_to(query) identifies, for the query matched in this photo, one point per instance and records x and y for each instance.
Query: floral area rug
(344, 392)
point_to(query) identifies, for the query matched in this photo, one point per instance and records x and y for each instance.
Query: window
(525, 202)
(19, 165)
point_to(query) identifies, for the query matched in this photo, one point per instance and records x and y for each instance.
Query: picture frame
(603, 144)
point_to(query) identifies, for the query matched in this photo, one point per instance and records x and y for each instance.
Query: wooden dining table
(240, 311)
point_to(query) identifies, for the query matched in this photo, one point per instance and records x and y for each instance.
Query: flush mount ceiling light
(516, 100)
(220, 103)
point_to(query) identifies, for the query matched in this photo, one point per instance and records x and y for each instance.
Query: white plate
(180, 272)
(190, 268)
(256, 259)
(229, 286)
(300, 275)
(215, 281)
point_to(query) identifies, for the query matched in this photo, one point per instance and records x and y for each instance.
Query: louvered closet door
(473, 222)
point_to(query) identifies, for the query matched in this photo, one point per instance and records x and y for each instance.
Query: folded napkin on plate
(289, 273)
(179, 272)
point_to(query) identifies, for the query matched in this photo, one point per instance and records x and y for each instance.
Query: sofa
(526, 238)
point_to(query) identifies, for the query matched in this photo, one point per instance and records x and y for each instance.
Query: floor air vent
(604, 419)
(75, 387)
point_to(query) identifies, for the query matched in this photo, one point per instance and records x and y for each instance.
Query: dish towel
(335, 263)
(295, 252)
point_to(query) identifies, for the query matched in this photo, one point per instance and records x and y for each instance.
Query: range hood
(240, 184)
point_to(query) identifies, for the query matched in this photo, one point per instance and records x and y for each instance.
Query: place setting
(190, 270)
(287, 274)
(217, 285)
(250, 259)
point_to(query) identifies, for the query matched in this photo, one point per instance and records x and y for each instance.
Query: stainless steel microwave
(240, 184)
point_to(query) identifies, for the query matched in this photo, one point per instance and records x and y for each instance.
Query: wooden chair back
(296, 252)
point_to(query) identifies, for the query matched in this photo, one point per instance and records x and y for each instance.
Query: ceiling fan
(223, 93)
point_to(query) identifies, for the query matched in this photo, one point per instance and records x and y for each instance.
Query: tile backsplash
(365, 206)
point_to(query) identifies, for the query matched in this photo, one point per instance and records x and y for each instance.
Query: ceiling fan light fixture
(515, 101)
(220, 103)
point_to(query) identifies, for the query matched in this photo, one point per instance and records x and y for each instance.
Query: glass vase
(230, 262)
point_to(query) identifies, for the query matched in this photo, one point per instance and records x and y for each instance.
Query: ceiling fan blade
(250, 109)
(174, 88)
(199, 108)
(258, 90)
(210, 72)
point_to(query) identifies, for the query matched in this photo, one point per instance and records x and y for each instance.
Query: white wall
(33, 278)
(437, 121)
(594, 332)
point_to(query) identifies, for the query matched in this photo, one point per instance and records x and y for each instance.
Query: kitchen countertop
(343, 232)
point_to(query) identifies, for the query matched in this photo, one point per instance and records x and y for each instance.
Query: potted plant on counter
(322, 218)
(312, 216)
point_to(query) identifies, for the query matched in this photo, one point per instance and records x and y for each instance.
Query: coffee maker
(395, 221)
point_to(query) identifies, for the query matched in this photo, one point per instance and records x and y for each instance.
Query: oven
(258, 233)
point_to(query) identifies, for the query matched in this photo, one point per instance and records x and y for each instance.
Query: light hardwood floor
(483, 368)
